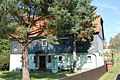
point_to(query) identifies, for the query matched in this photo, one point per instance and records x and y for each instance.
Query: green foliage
(73, 17)
(115, 43)
(52, 39)
(13, 15)
(4, 54)
(6, 25)
(68, 17)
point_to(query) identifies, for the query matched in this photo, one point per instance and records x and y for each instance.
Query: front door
(42, 62)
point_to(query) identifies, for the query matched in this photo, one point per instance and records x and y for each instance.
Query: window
(63, 41)
(49, 59)
(89, 59)
(44, 42)
(60, 58)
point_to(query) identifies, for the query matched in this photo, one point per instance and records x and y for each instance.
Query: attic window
(44, 42)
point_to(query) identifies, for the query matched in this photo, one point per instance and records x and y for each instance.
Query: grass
(34, 76)
(116, 69)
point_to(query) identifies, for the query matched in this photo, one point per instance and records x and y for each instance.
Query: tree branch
(44, 17)
(36, 37)
(16, 20)
(15, 38)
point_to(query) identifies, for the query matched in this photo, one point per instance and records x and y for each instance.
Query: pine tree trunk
(74, 55)
(25, 66)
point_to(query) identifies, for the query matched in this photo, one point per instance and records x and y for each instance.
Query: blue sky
(110, 12)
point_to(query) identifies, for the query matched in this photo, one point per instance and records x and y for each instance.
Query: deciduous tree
(115, 43)
(4, 54)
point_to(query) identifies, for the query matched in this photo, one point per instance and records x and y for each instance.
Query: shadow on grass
(34, 75)
(16, 75)
(49, 76)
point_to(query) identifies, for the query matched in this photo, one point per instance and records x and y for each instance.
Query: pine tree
(75, 18)
(18, 18)
(115, 43)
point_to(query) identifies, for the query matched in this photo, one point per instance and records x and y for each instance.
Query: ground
(6, 75)
(116, 69)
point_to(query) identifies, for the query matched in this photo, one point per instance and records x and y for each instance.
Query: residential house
(45, 56)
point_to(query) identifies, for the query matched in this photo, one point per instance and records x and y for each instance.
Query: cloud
(102, 6)
(107, 6)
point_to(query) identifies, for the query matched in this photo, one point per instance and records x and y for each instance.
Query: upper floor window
(63, 41)
(44, 42)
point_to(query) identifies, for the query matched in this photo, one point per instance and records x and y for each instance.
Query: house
(45, 56)
(107, 49)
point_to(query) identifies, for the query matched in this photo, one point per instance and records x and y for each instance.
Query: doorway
(42, 62)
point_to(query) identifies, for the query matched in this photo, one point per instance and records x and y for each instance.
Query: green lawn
(116, 69)
(34, 76)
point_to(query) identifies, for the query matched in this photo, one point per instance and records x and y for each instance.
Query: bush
(4, 54)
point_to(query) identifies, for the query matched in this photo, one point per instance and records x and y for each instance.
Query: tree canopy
(115, 43)
(73, 17)
(66, 16)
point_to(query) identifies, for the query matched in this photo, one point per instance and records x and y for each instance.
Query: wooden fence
(93, 74)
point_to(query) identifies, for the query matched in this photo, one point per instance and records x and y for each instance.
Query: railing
(93, 74)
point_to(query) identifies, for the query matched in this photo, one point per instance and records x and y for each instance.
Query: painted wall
(94, 45)
(84, 61)
(100, 59)
(15, 62)
(31, 61)
(90, 61)
(100, 42)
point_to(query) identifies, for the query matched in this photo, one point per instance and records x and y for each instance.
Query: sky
(110, 12)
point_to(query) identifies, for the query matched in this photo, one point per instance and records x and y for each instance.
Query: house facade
(54, 58)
